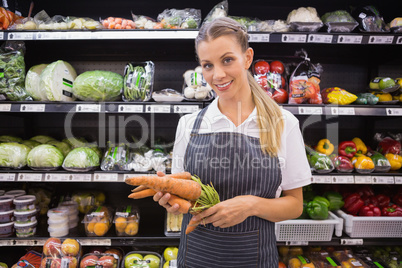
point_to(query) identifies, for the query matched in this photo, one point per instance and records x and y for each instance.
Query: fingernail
(195, 218)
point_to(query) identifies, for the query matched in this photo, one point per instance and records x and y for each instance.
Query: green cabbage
(81, 157)
(98, 86)
(31, 143)
(45, 155)
(7, 138)
(75, 142)
(32, 83)
(42, 139)
(13, 155)
(65, 148)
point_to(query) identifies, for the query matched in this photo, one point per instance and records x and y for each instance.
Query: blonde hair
(269, 113)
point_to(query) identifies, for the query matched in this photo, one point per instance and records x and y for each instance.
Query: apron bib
(235, 165)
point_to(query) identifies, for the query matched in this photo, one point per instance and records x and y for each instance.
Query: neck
(237, 110)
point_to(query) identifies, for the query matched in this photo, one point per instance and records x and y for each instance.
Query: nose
(219, 73)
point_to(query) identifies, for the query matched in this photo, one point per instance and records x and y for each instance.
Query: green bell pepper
(317, 210)
(366, 98)
(319, 162)
(322, 199)
(335, 200)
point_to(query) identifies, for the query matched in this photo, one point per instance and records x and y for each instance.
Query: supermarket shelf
(261, 37)
(346, 110)
(353, 178)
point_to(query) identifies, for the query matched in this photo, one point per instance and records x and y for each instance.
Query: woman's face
(225, 66)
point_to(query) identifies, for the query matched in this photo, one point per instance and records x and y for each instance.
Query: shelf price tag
(310, 110)
(363, 179)
(383, 179)
(29, 177)
(7, 176)
(96, 242)
(25, 242)
(394, 111)
(322, 179)
(294, 38)
(399, 40)
(352, 242)
(32, 107)
(350, 39)
(383, 39)
(1, 35)
(80, 177)
(5, 107)
(20, 36)
(48, 35)
(185, 109)
(158, 109)
(398, 179)
(6, 243)
(106, 176)
(342, 111)
(320, 38)
(259, 38)
(130, 108)
(57, 177)
(343, 179)
(88, 108)
(296, 243)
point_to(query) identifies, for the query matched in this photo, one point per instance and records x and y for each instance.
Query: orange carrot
(142, 194)
(184, 205)
(187, 189)
(181, 175)
(118, 20)
(192, 225)
(139, 188)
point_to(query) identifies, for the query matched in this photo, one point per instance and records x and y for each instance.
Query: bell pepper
(342, 163)
(395, 161)
(317, 210)
(392, 211)
(335, 200)
(322, 200)
(324, 146)
(347, 148)
(370, 210)
(365, 191)
(308, 193)
(381, 163)
(397, 199)
(319, 162)
(363, 162)
(389, 145)
(380, 200)
(360, 146)
(353, 203)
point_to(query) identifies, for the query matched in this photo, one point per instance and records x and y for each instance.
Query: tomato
(261, 67)
(277, 67)
(283, 81)
(280, 95)
(281, 265)
(262, 81)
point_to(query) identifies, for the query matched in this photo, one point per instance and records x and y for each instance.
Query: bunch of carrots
(7, 18)
(186, 190)
(118, 23)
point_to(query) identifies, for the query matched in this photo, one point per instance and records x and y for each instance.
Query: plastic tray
(309, 230)
(371, 226)
(169, 232)
(143, 253)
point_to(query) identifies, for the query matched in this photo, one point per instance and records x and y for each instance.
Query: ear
(249, 55)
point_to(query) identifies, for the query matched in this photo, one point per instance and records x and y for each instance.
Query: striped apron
(236, 165)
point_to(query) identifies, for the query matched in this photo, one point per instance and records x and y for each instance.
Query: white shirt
(292, 156)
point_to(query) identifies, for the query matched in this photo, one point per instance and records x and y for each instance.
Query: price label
(343, 179)
(342, 111)
(56, 177)
(161, 109)
(49, 35)
(399, 40)
(20, 36)
(350, 39)
(88, 108)
(322, 179)
(383, 39)
(310, 110)
(185, 109)
(383, 179)
(259, 38)
(7, 176)
(29, 177)
(363, 179)
(80, 177)
(130, 108)
(106, 177)
(296, 243)
(398, 179)
(78, 35)
(320, 38)
(351, 241)
(394, 111)
(294, 38)
(32, 107)
(96, 242)
(1, 35)
(5, 107)
(25, 242)
(7, 242)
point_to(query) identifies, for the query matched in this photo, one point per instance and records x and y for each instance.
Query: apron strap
(198, 121)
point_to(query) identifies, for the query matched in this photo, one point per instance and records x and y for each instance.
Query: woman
(249, 148)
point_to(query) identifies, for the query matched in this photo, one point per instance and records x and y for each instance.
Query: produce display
(138, 81)
(7, 18)
(370, 19)
(13, 155)
(139, 259)
(98, 221)
(81, 159)
(108, 260)
(57, 251)
(338, 96)
(195, 87)
(126, 221)
(45, 157)
(339, 21)
(304, 19)
(188, 18)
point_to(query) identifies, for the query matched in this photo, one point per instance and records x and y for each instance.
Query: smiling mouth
(223, 86)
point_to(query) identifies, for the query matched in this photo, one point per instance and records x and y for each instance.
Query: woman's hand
(163, 199)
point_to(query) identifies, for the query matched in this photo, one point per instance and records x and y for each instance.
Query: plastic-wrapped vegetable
(219, 10)
(339, 21)
(336, 95)
(81, 159)
(381, 163)
(32, 82)
(115, 158)
(45, 157)
(188, 18)
(64, 147)
(320, 163)
(13, 155)
(304, 19)
(247, 23)
(369, 19)
(138, 81)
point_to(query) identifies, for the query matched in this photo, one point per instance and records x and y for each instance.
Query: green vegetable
(138, 81)
(381, 163)
(13, 155)
(81, 157)
(45, 156)
(31, 143)
(76, 142)
(7, 138)
(317, 210)
(318, 161)
(64, 147)
(42, 139)
(366, 98)
(335, 200)
(32, 83)
(322, 200)
(98, 86)
(337, 16)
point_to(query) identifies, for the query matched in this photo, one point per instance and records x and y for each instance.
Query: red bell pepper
(353, 203)
(397, 199)
(380, 200)
(392, 211)
(370, 210)
(389, 145)
(342, 163)
(365, 191)
(347, 148)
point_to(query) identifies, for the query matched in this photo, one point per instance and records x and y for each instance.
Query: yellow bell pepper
(361, 148)
(395, 160)
(363, 162)
(341, 97)
(324, 146)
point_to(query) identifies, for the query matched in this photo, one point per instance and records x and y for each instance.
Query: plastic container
(58, 231)
(25, 216)
(6, 229)
(72, 208)
(58, 214)
(6, 216)
(100, 259)
(2, 192)
(98, 221)
(25, 229)
(24, 203)
(6, 203)
(173, 224)
(143, 254)
(126, 221)
(15, 193)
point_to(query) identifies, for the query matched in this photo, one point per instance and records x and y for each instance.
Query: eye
(227, 60)
(207, 66)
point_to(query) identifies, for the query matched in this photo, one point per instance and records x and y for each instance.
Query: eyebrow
(224, 55)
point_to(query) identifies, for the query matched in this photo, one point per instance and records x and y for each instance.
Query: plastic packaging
(58, 231)
(273, 26)
(87, 200)
(144, 22)
(100, 260)
(339, 21)
(6, 216)
(81, 159)
(249, 24)
(45, 157)
(61, 251)
(24, 203)
(13, 155)
(58, 214)
(142, 259)
(195, 88)
(116, 157)
(336, 95)
(396, 25)
(72, 208)
(369, 19)
(219, 10)
(118, 23)
(167, 95)
(126, 221)
(6, 229)
(173, 224)
(138, 81)
(15, 193)
(25, 216)
(188, 18)
(98, 221)
(305, 26)
(6, 203)
(25, 229)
